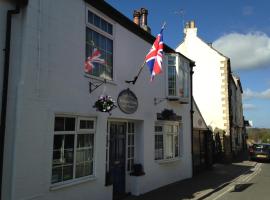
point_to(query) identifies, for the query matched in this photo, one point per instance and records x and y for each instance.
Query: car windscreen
(259, 147)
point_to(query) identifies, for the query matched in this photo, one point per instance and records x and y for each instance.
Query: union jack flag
(154, 57)
(94, 58)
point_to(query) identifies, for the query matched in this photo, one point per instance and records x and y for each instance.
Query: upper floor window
(99, 35)
(177, 77)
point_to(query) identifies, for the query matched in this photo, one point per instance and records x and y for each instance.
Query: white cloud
(249, 106)
(246, 51)
(249, 94)
(247, 10)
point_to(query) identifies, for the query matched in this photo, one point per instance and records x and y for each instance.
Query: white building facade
(210, 82)
(57, 146)
(237, 127)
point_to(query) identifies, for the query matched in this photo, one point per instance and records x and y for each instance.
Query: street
(253, 185)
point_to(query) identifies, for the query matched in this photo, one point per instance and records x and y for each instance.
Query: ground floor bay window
(167, 140)
(73, 148)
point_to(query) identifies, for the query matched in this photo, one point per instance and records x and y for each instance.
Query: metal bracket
(94, 84)
(158, 100)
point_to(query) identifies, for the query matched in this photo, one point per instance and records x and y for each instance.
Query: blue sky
(239, 29)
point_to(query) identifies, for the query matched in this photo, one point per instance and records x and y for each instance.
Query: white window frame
(105, 34)
(180, 63)
(132, 134)
(76, 132)
(166, 133)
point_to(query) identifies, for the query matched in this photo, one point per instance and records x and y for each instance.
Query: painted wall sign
(127, 101)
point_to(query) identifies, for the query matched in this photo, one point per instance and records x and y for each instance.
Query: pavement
(203, 184)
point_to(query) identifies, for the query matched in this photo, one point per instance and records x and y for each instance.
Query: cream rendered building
(211, 82)
(237, 121)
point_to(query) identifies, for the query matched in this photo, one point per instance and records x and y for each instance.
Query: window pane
(102, 44)
(68, 156)
(171, 80)
(110, 31)
(104, 25)
(58, 142)
(169, 146)
(105, 46)
(67, 172)
(90, 17)
(186, 84)
(88, 169)
(171, 60)
(176, 143)
(96, 20)
(63, 154)
(158, 147)
(85, 140)
(69, 141)
(158, 128)
(69, 124)
(59, 124)
(86, 124)
(132, 152)
(80, 156)
(181, 81)
(79, 170)
(56, 175)
(109, 45)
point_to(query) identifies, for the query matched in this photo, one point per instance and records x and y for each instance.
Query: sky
(239, 29)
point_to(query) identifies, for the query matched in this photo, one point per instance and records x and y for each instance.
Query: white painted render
(47, 78)
(207, 80)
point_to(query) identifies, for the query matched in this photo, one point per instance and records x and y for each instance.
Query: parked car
(259, 152)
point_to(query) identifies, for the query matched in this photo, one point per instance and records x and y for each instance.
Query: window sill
(69, 183)
(171, 160)
(183, 100)
(112, 82)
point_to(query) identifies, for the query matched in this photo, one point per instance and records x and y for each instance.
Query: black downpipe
(192, 64)
(5, 90)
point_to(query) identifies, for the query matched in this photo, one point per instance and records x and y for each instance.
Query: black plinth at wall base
(137, 170)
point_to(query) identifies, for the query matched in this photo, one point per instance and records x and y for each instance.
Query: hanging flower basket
(105, 103)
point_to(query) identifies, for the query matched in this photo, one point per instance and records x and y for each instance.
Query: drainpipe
(192, 64)
(5, 85)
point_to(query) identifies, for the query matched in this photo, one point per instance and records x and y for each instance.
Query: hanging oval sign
(127, 101)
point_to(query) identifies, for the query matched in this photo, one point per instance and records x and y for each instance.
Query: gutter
(192, 64)
(19, 4)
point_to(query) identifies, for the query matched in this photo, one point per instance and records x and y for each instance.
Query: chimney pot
(192, 24)
(136, 17)
(144, 13)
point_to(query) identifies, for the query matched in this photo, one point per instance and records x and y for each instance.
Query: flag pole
(141, 67)
(138, 74)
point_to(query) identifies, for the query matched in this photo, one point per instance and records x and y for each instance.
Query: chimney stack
(136, 17)
(144, 14)
(140, 19)
(190, 28)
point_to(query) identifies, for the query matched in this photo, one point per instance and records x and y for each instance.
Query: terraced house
(212, 87)
(56, 145)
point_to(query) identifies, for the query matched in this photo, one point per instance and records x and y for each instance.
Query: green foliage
(259, 135)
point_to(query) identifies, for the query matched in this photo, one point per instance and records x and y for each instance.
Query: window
(73, 148)
(99, 34)
(130, 146)
(171, 76)
(177, 77)
(166, 140)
